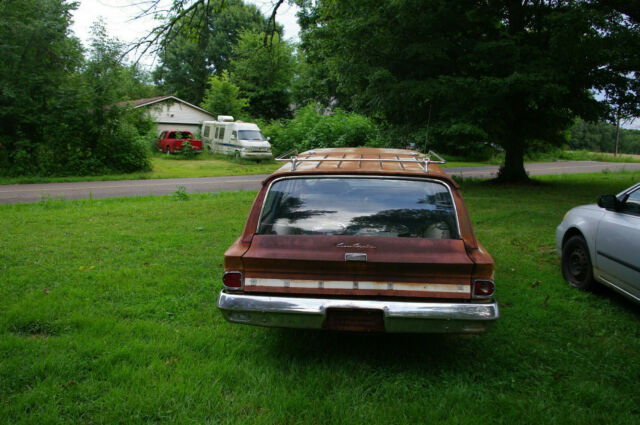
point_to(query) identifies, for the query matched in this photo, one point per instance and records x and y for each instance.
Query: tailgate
(352, 265)
(195, 144)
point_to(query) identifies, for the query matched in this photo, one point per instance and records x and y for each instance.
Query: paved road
(112, 189)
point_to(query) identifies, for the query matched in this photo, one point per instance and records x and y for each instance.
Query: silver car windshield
(359, 207)
(250, 135)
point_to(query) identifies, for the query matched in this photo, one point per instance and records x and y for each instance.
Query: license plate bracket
(354, 320)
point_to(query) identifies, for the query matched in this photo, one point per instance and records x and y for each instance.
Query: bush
(311, 129)
(82, 142)
(55, 117)
(129, 151)
(186, 151)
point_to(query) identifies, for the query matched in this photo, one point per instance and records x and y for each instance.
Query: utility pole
(615, 152)
(426, 141)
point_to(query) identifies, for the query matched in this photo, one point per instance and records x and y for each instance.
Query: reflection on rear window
(359, 207)
(180, 135)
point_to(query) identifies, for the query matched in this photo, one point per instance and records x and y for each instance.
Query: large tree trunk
(513, 168)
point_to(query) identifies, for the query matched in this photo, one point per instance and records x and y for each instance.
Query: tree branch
(163, 34)
(271, 23)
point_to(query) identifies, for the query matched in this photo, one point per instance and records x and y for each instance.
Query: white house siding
(175, 115)
(193, 128)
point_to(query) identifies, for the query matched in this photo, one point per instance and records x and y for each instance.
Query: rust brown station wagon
(359, 239)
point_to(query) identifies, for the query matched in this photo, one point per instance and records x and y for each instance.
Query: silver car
(602, 243)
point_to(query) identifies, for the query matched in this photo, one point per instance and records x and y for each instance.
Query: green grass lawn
(163, 167)
(204, 165)
(213, 165)
(107, 316)
(584, 155)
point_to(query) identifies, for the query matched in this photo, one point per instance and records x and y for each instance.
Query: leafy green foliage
(186, 151)
(113, 133)
(223, 97)
(601, 136)
(53, 119)
(37, 57)
(204, 48)
(513, 74)
(264, 74)
(312, 83)
(181, 194)
(311, 129)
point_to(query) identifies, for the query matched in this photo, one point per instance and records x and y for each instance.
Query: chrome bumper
(398, 316)
(256, 155)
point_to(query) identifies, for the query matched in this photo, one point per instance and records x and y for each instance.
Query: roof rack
(414, 158)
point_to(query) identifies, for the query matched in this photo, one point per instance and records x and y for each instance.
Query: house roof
(139, 103)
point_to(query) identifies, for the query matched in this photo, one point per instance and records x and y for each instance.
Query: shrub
(181, 194)
(130, 152)
(311, 129)
(186, 151)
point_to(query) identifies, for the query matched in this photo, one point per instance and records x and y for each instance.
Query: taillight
(483, 288)
(232, 280)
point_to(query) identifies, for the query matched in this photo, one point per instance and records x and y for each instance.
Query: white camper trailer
(241, 139)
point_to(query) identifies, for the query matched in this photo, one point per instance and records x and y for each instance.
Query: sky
(118, 16)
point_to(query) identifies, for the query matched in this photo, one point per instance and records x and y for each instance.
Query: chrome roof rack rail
(420, 159)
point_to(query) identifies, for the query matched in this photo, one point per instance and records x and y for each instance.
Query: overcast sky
(118, 16)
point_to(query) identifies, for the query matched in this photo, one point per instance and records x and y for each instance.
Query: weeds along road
(120, 188)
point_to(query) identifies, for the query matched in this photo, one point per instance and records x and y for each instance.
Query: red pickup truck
(171, 141)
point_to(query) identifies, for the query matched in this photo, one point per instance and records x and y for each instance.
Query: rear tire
(577, 268)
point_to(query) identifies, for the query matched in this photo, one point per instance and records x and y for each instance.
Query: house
(171, 113)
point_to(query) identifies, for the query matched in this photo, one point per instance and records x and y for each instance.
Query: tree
(38, 57)
(204, 47)
(511, 73)
(223, 98)
(179, 16)
(264, 74)
(601, 137)
(53, 119)
(311, 83)
(620, 83)
(112, 132)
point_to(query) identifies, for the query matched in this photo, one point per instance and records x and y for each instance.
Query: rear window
(359, 207)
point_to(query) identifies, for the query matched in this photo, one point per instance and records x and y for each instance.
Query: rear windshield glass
(180, 135)
(359, 207)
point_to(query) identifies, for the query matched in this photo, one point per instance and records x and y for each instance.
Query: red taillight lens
(483, 288)
(232, 280)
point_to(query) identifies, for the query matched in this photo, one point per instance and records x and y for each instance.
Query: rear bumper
(398, 316)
